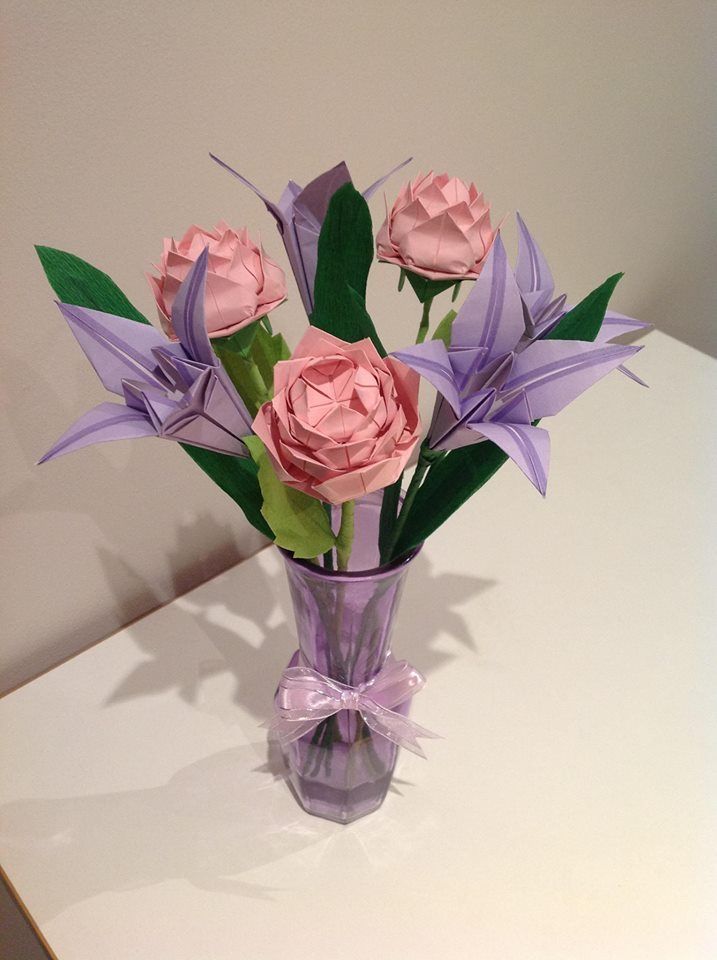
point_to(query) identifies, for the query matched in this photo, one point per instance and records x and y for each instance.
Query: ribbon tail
(397, 728)
(286, 731)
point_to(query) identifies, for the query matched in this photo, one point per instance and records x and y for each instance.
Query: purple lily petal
(208, 417)
(369, 191)
(617, 324)
(299, 215)
(633, 376)
(527, 446)
(107, 421)
(188, 313)
(448, 432)
(115, 346)
(554, 372)
(532, 272)
(430, 360)
(492, 314)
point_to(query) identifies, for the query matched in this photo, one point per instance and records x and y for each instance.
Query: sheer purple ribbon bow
(305, 697)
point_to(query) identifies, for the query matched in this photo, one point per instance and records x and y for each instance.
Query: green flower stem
(401, 280)
(345, 536)
(426, 458)
(423, 328)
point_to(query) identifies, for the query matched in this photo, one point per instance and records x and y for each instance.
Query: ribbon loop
(306, 697)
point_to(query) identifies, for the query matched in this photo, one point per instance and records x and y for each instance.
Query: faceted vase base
(341, 806)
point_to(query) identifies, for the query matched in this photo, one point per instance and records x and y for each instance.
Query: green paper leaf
(267, 350)
(345, 255)
(583, 322)
(444, 328)
(79, 283)
(238, 342)
(299, 522)
(237, 477)
(448, 484)
(426, 289)
(389, 511)
(246, 377)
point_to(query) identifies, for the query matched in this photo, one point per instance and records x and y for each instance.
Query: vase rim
(343, 575)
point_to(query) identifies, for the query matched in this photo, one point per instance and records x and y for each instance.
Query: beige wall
(593, 119)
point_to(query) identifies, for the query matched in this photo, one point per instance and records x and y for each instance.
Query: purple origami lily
(299, 215)
(544, 310)
(493, 384)
(178, 391)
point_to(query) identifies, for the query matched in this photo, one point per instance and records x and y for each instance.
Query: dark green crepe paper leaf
(389, 511)
(426, 289)
(448, 485)
(357, 306)
(299, 522)
(583, 322)
(444, 328)
(345, 255)
(237, 477)
(77, 282)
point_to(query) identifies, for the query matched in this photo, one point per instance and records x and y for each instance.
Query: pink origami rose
(439, 227)
(243, 284)
(343, 421)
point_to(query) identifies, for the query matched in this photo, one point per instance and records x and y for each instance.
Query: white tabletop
(567, 814)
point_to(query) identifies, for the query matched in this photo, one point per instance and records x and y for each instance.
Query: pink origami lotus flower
(343, 421)
(243, 284)
(439, 227)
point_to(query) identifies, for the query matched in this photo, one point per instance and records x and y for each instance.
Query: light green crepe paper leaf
(345, 255)
(246, 377)
(238, 342)
(267, 350)
(444, 328)
(77, 282)
(237, 477)
(426, 289)
(299, 521)
(583, 322)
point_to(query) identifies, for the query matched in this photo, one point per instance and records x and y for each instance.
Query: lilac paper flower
(544, 310)
(178, 391)
(299, 215)
(493, 385)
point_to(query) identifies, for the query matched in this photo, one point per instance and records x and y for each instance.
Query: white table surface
(567, 815)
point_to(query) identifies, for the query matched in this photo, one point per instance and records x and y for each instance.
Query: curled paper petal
(107, 421)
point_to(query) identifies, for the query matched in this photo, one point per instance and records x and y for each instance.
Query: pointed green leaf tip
(77, 282)
(345, 256)
(299, 522)
(583, 322)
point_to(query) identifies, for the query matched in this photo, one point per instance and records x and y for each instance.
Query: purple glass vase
(342, 770)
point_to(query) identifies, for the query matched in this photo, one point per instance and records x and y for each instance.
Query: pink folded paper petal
(242, 282)
(439, 227)
(343, 420)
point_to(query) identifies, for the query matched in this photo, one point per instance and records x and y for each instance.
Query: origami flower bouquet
(314, 444)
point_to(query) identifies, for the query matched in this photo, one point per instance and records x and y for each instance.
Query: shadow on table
(214, 820)
(251, 635)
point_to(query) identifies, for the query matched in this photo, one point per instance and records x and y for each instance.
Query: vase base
(340, 806)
